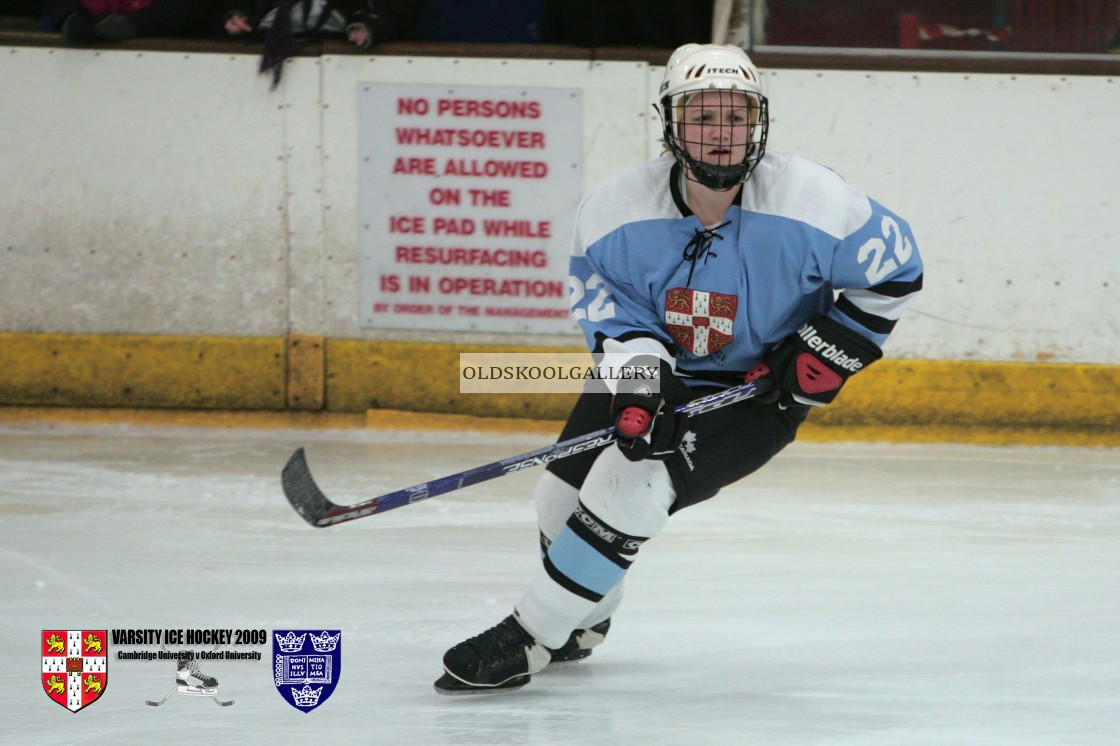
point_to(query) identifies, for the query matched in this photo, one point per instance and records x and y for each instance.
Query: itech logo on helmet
(702, 70)
(746, 72)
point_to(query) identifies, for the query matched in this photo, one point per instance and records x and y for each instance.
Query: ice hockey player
(724, 262)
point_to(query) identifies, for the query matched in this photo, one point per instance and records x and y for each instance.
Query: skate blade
(194, 692)
(577, 655)
(448, 685)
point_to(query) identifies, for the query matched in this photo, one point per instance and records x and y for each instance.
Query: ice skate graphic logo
(74, 666)
(306, 665)
(190, 680)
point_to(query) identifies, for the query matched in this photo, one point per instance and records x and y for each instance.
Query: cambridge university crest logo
(74, 666)
(700, 321)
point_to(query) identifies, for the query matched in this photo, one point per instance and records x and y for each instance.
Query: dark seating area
(1001, 36)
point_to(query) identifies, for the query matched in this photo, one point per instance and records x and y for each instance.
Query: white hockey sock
(605, 609)
(555, 500)
(622, 504)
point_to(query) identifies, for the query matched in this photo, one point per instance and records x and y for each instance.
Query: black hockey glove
(809, 366)
(646, 423)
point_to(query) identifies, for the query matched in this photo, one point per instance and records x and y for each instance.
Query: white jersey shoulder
(631, 195)
(788, 186)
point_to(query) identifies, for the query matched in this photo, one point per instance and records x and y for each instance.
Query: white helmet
(694, 68)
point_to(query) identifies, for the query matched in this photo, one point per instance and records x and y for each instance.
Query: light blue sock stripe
(579, 561)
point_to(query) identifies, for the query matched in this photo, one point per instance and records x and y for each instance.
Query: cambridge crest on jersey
(75, 663)
(306, 665)
(700, 321)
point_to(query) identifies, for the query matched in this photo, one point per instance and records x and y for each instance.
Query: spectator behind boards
(284, 22)
(84, 21)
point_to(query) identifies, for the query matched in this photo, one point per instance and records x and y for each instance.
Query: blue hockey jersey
(646, 276)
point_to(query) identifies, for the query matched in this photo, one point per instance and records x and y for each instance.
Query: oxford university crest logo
(75, 663)
(306, 665)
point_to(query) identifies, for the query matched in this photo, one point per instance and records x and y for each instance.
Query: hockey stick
(318, 510)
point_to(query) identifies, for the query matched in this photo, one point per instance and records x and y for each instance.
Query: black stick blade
(301, 490)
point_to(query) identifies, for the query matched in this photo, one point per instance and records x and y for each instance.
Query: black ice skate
(502, 657)
(580, 642)
(190, 680)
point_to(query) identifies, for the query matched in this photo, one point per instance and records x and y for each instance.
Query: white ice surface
(845, 594)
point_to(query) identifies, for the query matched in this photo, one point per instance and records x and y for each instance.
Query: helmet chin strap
(719, 178)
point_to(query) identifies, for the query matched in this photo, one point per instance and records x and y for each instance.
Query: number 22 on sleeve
(876, 248)
(601, 305)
